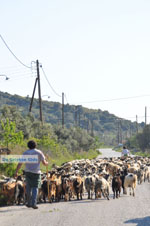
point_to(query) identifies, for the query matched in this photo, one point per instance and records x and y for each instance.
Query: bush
(8, 169)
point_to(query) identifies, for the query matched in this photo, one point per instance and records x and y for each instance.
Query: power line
(66, 98)
(10, 67)
(15, 70)
(122, 98)
(13, 53)
(17, 78)
(21, 76)
(18, 74)
(49, 82)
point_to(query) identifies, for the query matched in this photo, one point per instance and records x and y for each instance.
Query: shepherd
(125, 152)
(32, 173)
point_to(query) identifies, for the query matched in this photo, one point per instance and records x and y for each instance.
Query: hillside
(100, 123)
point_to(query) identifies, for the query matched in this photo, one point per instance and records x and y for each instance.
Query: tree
(9, 134)
(144, 138)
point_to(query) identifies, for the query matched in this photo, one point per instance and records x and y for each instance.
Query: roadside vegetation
(95, 121)
(58, 144)
(138, 144)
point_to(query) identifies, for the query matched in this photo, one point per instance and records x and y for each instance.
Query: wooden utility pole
(145, 116)
(39, 92)
(118, 128)
(79, 117)
(33, 95)
(92, 128)
(62, 110)
(87, 125)
(130, 132)
(76, 109)
(136, 124)
(120, 131)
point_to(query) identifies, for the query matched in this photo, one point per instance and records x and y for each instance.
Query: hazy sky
(92, 50)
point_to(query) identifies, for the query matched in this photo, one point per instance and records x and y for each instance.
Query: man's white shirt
(125, 152)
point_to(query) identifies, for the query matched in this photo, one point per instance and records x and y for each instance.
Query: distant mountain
(101, 123)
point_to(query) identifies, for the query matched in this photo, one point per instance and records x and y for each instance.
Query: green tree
(9, 134)
(143, 138)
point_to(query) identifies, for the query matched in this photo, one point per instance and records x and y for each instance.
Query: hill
(110, 128)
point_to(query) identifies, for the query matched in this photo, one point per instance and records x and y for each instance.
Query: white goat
(130, 181)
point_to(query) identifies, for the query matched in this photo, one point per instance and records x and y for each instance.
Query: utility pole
(118, 128)
(87, 123)
(136, 124)
(120, 131)
(33, 95)
(76, 109)
(79, 118)
(87, 127)
(39, 92)
(145, 116)
(126, 135)
(92, 128)
(62, 110)
(130, 132)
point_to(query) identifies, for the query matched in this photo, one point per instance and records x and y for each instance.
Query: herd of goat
(75, 178)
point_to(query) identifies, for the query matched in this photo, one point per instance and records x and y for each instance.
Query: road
(108, 153)
(127, 210)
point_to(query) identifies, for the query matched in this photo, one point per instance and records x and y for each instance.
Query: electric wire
(66, 98)
(15, 70)
(11, 80)
(10, 67)
(115, 99)
(20, 76)
(95, 101)
(12, 75)
(49, 82)
(17, 75)
(13, 53)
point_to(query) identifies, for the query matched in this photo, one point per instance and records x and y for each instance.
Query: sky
(96, 52)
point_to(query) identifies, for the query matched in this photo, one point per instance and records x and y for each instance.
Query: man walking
(125, 152)
(32, 174)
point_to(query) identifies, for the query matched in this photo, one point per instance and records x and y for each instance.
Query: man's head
(31, 144)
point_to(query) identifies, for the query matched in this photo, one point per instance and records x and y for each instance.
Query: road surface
(127, 210)
(109, 153)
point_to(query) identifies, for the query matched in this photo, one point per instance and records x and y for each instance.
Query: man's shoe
(27, 205)
(35, 207)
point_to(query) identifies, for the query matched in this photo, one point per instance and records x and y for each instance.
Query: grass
(118, 149)
(53, 158)
(143, 154)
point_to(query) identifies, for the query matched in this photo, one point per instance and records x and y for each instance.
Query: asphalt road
(109, 153)
(127, 210)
